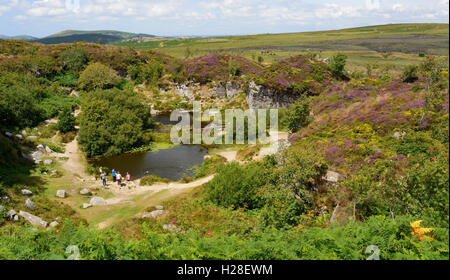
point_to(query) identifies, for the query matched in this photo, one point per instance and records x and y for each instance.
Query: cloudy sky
(210, 17)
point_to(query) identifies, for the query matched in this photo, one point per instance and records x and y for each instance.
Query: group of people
(117, 177)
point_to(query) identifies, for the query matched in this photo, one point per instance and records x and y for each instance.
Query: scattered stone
(11, 213)
(96, 201)
(34, 220)
(32, 138)
(86, 205)
(61, 193)
(6, 198)
(40, 147)
(399, 135)
(172, 228)
(48, 150)
(159, 207)
(19, 136)
(84, 191)
(207, 157)
(16, 218)
(332, 177)
(24, 133)
(37, 155)
(58, 218)
(29, 204)
(48, 122)
(54, 224)
(26, 192)
(9, 134)
(153, 214)
(48, 162)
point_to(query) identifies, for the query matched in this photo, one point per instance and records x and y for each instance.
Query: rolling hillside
(101, 36)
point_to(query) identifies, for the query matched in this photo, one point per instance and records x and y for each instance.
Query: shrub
(66, 121)
(337, 65)
(152, 179)
(98, 76)
(237, 185)
(74, 60)
(113, 122)
(410, 74)
(298, 115)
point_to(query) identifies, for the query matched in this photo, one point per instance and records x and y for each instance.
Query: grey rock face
(259, 97)
(34, 220)
(96, 201)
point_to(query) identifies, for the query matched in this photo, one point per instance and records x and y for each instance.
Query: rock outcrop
(263, 97)
(34, 220)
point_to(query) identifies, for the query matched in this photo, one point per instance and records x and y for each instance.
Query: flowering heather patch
(296, 74)
(219, 67)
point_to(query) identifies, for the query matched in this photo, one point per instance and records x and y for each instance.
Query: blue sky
(210, 17)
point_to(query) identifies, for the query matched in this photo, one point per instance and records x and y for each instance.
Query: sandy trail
(74, 163)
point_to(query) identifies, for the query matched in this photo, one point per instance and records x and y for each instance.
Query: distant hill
(100, 36)
(19, 37)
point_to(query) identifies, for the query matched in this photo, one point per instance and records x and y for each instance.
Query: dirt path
(123, 194)
(74, 163)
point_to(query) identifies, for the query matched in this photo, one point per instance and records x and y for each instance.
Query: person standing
(113, 172)
(128, 177)
(103, 179)
(119, 179)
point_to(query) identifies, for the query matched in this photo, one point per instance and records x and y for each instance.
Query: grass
(363, 45)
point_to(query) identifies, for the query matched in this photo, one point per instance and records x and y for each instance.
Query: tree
(113, 122)
(98, 76)
(337, 65)
(298, 115)
(74, 60)
(66, 121)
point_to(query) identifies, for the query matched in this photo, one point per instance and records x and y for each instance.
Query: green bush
(66, 121)
(337, 65)
(98, 76)
(152, 179)
(410, 74)
(298, 115)
(237, 185)
(113, 122)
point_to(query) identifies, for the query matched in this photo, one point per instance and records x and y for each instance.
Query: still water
(172, 164)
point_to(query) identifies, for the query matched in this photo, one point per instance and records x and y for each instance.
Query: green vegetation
(97, 76)
(66, 121)
(113, 122)
(152, 179)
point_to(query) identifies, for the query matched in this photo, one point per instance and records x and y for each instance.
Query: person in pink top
(128, 177)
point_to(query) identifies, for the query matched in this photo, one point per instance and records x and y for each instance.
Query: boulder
(19, 136)
(24, 132)
(97, 201)
(332, 177)
(48, 162)
(9, 134)
(48, 150)
(48, 122)
(61, 193)
(29, 204)
(32, 138)
(84, 191)
(26, 192)
(36, 155)
(11, 213)
(159, 207)
(34, 220)
(54, 224)
(86, 205)
(399, 135)
(41, 147)
(16, 218)
(153, 214)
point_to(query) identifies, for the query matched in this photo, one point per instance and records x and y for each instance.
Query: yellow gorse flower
(417, 229)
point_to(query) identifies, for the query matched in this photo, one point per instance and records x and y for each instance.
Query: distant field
(392, 46)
